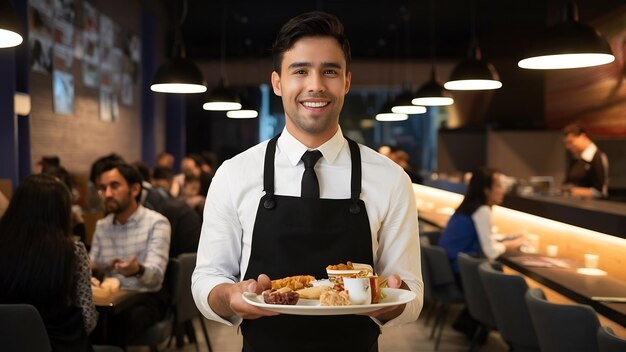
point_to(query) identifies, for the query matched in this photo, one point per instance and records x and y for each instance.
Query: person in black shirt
(588, 167)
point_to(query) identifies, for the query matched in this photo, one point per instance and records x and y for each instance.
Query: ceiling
(377, 29)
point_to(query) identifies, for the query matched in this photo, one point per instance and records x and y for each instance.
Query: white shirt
(482, 221)
(233, 198)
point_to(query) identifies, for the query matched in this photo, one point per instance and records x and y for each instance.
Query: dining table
(112, 304)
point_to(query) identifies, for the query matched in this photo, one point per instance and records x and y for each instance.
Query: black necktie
(310, 185)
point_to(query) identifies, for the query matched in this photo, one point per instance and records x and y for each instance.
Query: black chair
(609, 342)
(440, 285)
(562, 327)
(162, 330)
(24, 330)
(475, 296)
(186, 309)
(506, 296)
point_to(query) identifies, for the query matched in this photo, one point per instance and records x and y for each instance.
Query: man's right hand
(226, 299)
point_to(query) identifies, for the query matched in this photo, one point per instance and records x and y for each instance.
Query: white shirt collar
(589, 152)
(294, 149)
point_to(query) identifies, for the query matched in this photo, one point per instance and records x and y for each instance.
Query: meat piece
(284, 296)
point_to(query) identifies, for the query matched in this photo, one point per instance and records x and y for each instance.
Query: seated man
(131, 243)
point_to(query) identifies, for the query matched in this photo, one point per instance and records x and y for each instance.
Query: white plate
(591, 271)
(394, 297)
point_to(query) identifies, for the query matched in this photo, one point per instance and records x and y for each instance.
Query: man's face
(312, 83)
(575, 144)
(117, 195)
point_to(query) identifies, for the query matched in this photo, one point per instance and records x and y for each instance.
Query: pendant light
(402, 104)
(247, 110)
(222, 98)
(569, 44)
(432, 93)
(474, 73)
(387, 115)
(179, 74)
(10, 26)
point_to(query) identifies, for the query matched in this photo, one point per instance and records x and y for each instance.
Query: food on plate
(341, 266)
(105, 288)
(313, 292)
(285, 296)
(293, 282)
(334, 298)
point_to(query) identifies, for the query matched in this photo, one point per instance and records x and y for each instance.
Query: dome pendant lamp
(179, 74)
(10, 27)
(402, 104)
(432, 93)
(569, 44)
(474, 73)
(222, 98)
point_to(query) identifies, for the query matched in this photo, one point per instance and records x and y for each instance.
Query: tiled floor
(410, 337)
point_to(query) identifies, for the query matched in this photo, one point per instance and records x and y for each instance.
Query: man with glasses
(131, 244)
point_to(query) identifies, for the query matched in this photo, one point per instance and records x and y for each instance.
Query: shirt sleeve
(220, 247)
(482, 220)
(399, 250)
(600, 169)
(157, 256)
(84, 296)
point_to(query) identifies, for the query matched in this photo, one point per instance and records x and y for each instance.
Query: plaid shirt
(146, 235)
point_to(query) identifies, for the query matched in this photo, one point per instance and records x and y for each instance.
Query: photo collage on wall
(109, 55)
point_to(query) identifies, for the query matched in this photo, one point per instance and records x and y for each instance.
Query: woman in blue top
(469, 229)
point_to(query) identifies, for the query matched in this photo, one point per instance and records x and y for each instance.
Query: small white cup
(359, 290)
(591, 260)
(533, 241)
(552, 250)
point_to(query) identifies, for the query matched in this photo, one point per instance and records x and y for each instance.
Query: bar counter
(435, 206)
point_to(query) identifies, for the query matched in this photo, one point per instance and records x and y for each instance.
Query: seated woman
(41, 264)
(469, 229)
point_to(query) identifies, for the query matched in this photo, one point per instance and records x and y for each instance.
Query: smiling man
(305, 199)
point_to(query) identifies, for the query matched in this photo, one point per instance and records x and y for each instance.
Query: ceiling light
(391, 116)
(402, 104)
(432, 93)
(179, 74)
(10, 27)
(222, 99)
(569, 44)
(473, 73)
(242, 114)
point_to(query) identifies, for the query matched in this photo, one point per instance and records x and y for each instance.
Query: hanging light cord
(179, 47)
(431, 23)
(223, 43)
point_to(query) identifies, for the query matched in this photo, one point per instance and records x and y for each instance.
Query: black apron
(301, 236)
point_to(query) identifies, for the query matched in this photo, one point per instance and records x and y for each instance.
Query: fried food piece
(334, 298)
(341, 266)
(313, 292)
(293, 282)
(284, 296)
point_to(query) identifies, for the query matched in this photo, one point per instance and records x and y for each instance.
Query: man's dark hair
(143, 169)
(128, 172)
(100, 163)
(310, 24)
(574, 128)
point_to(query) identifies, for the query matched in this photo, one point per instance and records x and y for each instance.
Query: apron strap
(355, 183)
(268, 173)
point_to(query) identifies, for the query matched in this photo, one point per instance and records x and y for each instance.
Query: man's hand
(129, 267)
(226, 299)
(389, 313)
